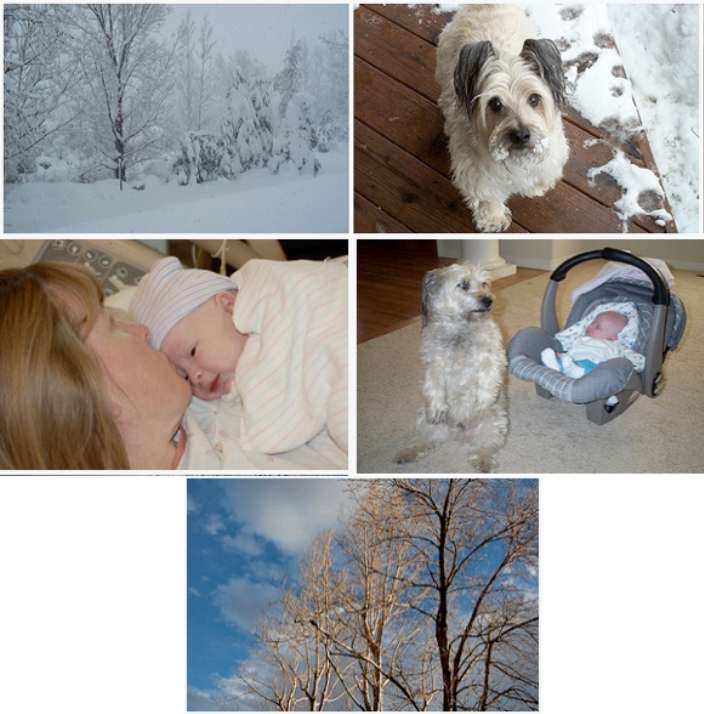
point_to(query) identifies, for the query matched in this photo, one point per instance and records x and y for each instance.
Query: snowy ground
(256, 202)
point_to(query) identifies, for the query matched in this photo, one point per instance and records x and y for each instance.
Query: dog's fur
(464, 367)
(501, 94)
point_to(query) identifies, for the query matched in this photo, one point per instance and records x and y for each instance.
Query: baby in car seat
(603, 338)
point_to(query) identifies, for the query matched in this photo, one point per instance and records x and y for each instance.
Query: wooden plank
(406, 118)
(566, 207)
(407, 189)
(391, 49)
(369, 218)
(424, 21)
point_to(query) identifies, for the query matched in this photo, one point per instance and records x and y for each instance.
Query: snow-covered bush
(246, 143)
(329, 133)
(200, 158)
(52, 169)
(297, 139)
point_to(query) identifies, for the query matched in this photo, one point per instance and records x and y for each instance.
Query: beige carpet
(664, 434)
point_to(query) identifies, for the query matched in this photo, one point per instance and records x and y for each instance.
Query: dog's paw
(407, 456)
(491, 217)
(436, 414)
(484, 463)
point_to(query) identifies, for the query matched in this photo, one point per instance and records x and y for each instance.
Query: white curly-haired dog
(501, 94)
(464, 367)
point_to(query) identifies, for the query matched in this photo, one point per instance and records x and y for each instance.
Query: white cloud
(241, 601)
(201, 701)
(243, 543)
(213, 524)
(287, 512)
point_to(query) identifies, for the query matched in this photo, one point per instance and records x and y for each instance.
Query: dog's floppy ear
(545, 60)
(472, 58)
(429, 287)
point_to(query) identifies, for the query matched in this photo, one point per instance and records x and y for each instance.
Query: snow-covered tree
(291, 80)
(245, 131)
(127, 75)
(39, 76)
(195, 75)
(95, 89)
(333, 90)
(294, 146)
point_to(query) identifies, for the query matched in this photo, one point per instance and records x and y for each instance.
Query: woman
(79, 389)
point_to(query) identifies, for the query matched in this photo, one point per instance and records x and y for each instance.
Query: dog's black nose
(486, 302)
(520, 136)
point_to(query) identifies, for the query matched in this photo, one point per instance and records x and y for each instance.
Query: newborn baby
(598, 342)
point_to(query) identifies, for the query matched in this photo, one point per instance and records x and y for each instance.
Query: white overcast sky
(264, 29)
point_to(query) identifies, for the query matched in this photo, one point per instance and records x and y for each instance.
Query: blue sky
(244, 534)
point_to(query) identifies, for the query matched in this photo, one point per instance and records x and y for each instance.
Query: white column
(485, 251)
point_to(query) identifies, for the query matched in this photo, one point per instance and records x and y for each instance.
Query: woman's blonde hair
(55, 411)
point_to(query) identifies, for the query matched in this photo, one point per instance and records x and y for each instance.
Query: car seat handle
(661, 294)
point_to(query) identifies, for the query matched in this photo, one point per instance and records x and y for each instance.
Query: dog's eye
(495, 105)
(534, 100)
(464, 285)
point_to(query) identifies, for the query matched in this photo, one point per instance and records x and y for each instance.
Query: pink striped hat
(168, 292)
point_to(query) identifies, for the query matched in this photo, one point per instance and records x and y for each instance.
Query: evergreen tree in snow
(295, 144)
(333, 90)
(292, 78)
(261, 91)
(245, 132)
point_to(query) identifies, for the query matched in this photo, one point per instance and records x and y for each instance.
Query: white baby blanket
(292, 374)
(626, 338)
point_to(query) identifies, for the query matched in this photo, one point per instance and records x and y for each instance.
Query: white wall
(547, 254)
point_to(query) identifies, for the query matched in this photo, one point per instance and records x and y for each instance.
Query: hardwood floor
(389, 276)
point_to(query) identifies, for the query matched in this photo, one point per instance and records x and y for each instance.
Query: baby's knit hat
(167, 293)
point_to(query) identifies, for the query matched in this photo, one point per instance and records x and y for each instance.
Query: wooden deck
(401, 164)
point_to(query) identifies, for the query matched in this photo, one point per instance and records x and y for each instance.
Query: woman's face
(149, 398)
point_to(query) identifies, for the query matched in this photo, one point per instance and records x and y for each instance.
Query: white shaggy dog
(464, 367)
(501, 97)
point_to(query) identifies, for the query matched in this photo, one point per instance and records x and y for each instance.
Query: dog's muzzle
(485, 304)
(519, 137)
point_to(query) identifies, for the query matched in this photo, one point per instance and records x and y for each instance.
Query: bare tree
(292, 667)
(380, 632)
(478, 540)
(425, 597)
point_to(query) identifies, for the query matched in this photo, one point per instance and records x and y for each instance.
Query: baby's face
(205, 347)
(606, 326)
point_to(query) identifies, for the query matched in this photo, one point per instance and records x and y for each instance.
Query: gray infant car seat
(612, 386)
